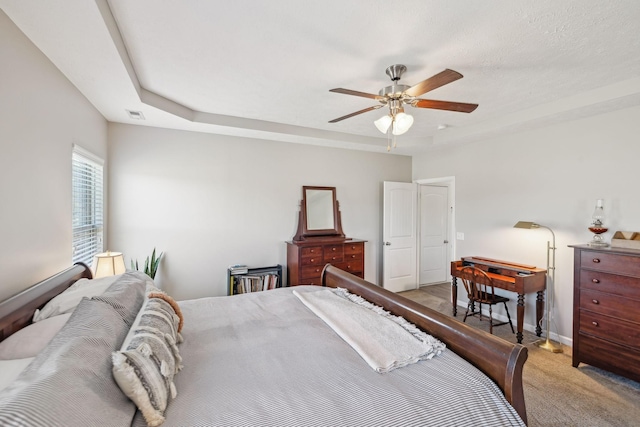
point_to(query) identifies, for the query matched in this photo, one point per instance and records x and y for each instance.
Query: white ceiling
(263, 69)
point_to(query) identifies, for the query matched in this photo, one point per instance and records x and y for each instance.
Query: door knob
(387, 243)
(446, 241)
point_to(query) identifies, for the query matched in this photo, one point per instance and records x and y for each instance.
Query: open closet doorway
(435, 225)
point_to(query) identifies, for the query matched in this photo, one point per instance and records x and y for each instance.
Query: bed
(262, 358)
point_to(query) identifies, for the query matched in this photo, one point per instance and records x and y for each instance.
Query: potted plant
(150, 264)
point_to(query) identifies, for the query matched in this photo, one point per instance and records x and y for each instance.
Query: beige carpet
(556, 393)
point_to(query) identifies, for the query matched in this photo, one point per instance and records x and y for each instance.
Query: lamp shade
(402, 123)
(383, 123)
(526, 224)
(108, 264)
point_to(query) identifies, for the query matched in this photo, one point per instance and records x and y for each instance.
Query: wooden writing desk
(518, 278)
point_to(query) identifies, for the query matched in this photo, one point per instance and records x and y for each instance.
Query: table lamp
(108, 264)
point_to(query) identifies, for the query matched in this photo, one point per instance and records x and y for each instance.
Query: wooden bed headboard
(17, 311)
(500, 360)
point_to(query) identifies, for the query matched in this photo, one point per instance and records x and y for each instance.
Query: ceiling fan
(398, 95)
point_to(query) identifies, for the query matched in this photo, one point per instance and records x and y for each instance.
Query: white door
(399, 236)
(434, 230)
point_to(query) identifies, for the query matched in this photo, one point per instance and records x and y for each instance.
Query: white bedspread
(384, 341)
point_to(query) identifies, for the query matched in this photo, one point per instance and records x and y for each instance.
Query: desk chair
(479, 287)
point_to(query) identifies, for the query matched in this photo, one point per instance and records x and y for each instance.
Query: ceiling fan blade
(461, 107)
(356, 93)
(375, 107)
(445, 77)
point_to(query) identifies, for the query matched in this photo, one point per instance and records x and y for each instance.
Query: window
(87, 199)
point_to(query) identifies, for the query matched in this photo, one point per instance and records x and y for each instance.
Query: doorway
(418, 225)
(434, 234)
(435, 225)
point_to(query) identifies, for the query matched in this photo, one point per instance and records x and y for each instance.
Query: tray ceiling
(264, 69)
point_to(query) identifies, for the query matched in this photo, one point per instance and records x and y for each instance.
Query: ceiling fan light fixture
(383, 123)
(397, 95)
(401, 123)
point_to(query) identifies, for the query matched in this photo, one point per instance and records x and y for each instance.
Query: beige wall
(41, 115)
(552, 176)
(209, 201)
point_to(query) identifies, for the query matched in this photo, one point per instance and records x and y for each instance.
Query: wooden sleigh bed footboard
(17, 311)
(500, 360)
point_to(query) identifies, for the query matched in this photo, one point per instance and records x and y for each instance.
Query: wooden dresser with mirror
(319, 240)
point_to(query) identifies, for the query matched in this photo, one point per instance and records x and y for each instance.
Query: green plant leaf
(151, 264)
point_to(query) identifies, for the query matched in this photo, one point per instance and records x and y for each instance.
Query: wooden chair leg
(509, 317)
(490, 319)
(466, 313)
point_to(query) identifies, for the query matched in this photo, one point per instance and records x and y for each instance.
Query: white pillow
(29, 341)
(71, 297)
(10, 369)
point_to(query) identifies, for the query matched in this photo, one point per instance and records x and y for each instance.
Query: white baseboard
(462, 307)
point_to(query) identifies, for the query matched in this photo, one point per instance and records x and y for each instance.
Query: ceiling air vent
(137, 115)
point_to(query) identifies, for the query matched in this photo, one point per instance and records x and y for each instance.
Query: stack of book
(238, 269)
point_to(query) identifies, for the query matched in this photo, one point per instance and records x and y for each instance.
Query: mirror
(319, 206)
(319, 214)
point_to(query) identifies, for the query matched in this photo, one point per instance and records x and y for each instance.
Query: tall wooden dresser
(305, 260)
(606, 314)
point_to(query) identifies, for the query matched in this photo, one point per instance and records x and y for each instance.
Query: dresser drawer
(311, 260)
(333, 253)
(353, 257)
(312, 271)
(614, 263)
(610, 283)
(611, 305)
(610, 328)
(353, 249)
(353, 267)
(604, 354)
(311, 251)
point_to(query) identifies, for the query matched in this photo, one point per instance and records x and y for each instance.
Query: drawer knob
(317, 270)
(595, 323)
(333, 258)
(313, 260)
(595, 280)
(596, 260)
(595, 301)
(312, 250)
(333, 249)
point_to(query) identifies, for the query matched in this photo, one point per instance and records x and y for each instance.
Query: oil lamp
(597, 227)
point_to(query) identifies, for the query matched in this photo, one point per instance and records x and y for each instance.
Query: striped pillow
(70, 383)
(126, 295)
(148, 360)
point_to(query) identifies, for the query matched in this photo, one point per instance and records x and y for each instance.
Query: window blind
(88, 205)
